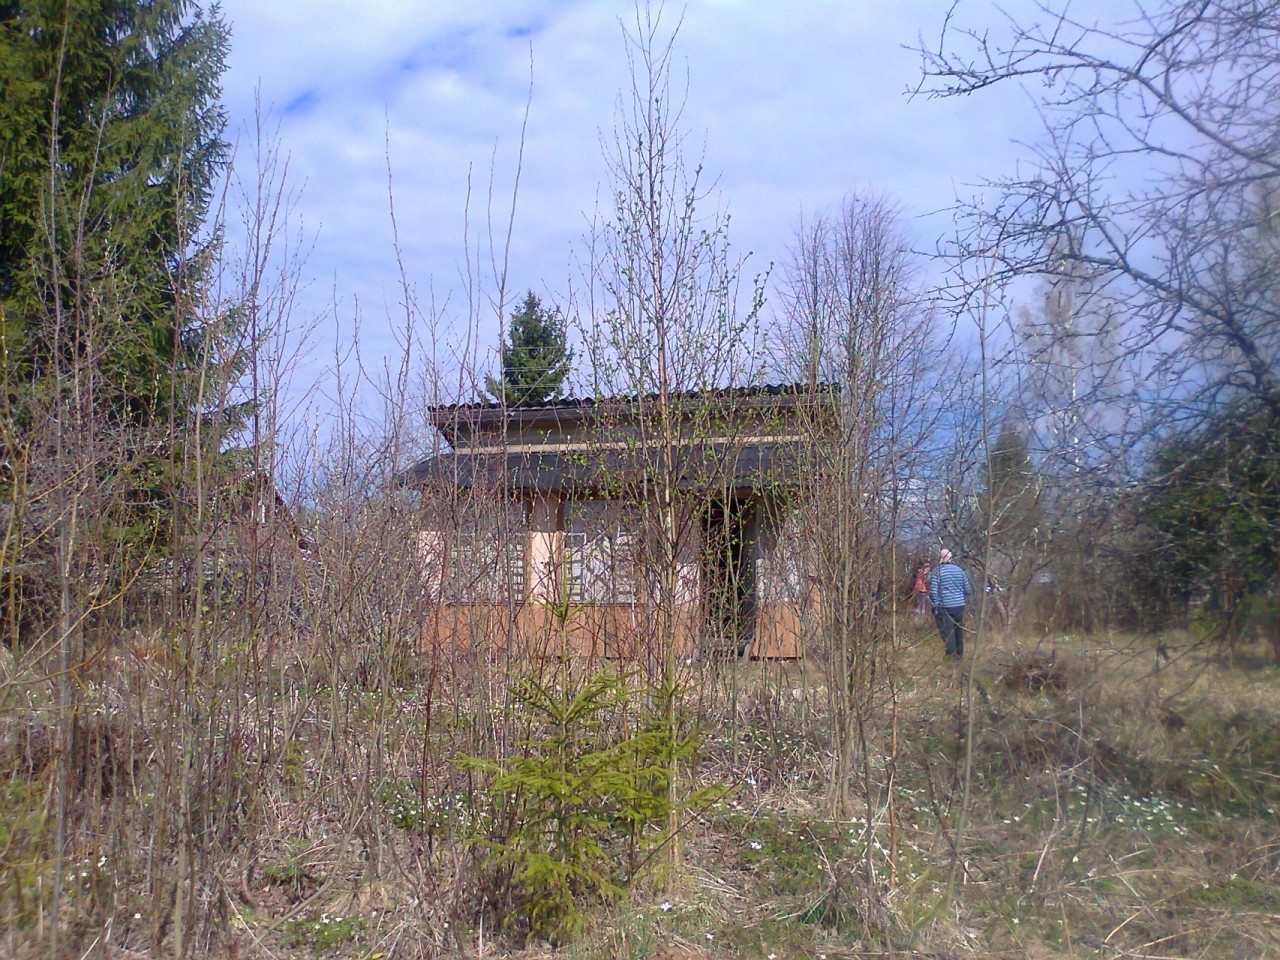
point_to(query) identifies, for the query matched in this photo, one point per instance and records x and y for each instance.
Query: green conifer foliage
(1211, 515)
(1013, 496)
(110, 150)
(535, 356)
(110, 145)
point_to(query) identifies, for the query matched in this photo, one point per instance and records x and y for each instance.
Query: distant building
(546, 525)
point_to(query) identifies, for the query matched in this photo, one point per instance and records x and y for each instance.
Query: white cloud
(791, 107)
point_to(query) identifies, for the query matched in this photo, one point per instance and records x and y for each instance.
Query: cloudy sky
(790, 107)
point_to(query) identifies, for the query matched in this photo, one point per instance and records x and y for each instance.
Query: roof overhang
(755, 466)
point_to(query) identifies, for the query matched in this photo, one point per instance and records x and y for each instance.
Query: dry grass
(1118, 810)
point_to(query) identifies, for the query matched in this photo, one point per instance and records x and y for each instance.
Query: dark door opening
(729, 576)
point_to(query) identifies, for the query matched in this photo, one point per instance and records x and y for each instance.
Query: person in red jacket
(921, 587)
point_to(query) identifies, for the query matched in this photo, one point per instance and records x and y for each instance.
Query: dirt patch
(1039, 673)
(676, 952)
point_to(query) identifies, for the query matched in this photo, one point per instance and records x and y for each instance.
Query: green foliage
(324, 931)
(577, 811)
(291, 872)
(402, 804)
(125, 96)
(1010, 508)
(535, 356)
(293, 763)
(792, 855)
(25, 836)
(1211, 516)
(110, 147)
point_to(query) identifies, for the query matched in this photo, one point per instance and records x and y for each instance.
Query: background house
(546, 525)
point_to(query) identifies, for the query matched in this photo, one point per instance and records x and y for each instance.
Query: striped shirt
(948, 586)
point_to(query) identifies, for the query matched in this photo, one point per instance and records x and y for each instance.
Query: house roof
(488, 448)
(455, 418)
(753, 465)
(791, 390)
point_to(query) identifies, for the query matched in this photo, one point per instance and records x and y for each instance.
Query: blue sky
(790, 108)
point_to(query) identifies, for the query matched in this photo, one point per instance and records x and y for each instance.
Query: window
(600, 551)
(486, 553)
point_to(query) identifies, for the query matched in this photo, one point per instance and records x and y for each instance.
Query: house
(566, 524)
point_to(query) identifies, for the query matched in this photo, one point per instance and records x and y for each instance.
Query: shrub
(578, 809)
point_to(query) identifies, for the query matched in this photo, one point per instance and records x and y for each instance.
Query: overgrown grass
(1117, 810)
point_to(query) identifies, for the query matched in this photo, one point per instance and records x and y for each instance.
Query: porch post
(546, 548)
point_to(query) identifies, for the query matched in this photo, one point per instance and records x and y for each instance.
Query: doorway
(729, 528)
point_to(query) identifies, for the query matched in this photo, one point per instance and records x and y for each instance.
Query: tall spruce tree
(110, 144)
(535, 356)
(1210, 512)
(1011, 504)
(110, 148)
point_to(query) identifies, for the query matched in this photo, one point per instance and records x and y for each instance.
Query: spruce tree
(535, 356)
(110, 145)
(110, 149)
(1012, 501)
(1210, 512)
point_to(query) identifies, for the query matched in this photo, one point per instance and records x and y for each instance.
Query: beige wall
(546, 548)
(609, 631)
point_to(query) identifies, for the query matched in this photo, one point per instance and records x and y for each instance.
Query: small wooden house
(587, 522)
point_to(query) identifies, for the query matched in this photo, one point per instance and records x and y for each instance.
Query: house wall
(546, 548)
(542, 626)
(778, 634)
(604, 631)
(539, 625)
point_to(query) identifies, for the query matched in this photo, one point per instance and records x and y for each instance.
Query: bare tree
(1067, 386)
(1150, 210)
(1153, 188)
(857, 333)
(663, 326)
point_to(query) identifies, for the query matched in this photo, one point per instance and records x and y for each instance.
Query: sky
(790, 108)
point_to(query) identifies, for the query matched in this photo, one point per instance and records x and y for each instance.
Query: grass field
(1120, 805)
(1117, 811)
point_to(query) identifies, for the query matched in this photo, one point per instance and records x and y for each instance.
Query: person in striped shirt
(948, 593)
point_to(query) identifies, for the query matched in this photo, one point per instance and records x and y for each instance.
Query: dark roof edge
(487, 409)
